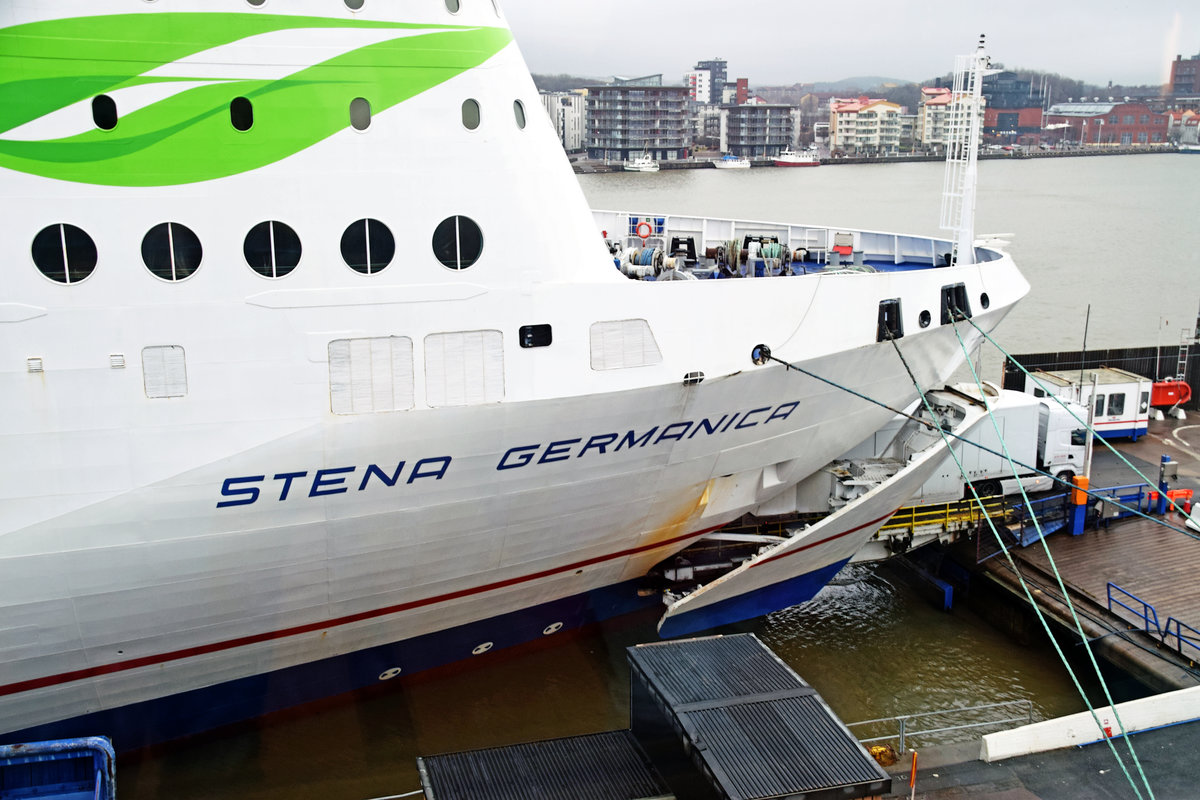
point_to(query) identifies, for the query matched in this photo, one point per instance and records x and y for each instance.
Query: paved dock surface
(1167, 756)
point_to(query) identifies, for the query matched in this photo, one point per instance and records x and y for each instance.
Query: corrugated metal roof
(783, 747)
(713, 668)
(761, 731)
(601, 766)
(1080, 109)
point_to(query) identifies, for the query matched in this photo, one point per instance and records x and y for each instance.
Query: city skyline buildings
(785, 43)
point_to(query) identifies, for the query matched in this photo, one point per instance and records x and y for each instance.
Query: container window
(470, 114)
(241, 113)
(360, 113)
(1144, 404)
(272, 249)
(368, 246)
(104, 112)
(1116, 404)
(1099, 405)
(171, 251)
(457, 242)
(64, 253)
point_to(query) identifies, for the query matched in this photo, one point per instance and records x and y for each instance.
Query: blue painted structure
(175, 716)
(63, 769)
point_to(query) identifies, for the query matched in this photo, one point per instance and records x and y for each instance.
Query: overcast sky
(780, 42)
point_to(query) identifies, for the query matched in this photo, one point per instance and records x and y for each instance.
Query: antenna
(962, 151)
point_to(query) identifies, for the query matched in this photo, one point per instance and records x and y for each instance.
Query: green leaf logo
(172, 77)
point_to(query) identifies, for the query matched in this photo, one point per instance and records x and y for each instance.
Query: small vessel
(1191, 149)
(643, 163)
(732, 162)
(805, 158)
(286, 411)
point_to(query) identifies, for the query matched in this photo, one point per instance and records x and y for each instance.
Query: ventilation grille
(371, 375)
(621, 344)
(464, 368)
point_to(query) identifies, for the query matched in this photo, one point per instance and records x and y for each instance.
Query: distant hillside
(861, 83)
(564, 83)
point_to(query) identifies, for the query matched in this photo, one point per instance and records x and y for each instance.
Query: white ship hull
(218, 479)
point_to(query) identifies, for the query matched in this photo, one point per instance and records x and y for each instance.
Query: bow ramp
(864, 493)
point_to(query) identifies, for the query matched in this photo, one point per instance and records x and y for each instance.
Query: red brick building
(1106, 124)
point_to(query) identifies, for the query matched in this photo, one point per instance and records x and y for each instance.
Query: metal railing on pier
(909, 726)
(1184, 639)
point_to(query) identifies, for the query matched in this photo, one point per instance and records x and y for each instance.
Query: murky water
(1119, 233)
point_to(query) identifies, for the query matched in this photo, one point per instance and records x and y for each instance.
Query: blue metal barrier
(62, 769)
(1186, 638)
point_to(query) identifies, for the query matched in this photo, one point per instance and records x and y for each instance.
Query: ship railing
(816, 241)
(944, 517)
(1183, 638)
(907, 727)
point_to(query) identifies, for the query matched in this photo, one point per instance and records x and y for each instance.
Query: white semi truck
(1038, 432)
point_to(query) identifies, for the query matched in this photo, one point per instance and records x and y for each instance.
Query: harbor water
(1116, 233)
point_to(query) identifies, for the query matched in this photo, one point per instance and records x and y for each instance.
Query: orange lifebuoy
(649, 230)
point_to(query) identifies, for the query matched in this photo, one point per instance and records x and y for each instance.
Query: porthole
(984, 300)
(272, 249)
(519, 113)
(360, 113)
(457, 242)
(924, 319)
(452, 6)
(470, 114)
(241, 113)
(64, 253)
(171, 251)
(104, 112)
(368, 246)
(354, 5)
(256, 3)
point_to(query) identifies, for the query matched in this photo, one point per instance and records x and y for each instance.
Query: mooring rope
(956, 316)
(765, 354)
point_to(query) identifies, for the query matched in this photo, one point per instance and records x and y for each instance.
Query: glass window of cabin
(1099, 405)
(104, 112)
(1116, 404)
(519, 113)
(354, 5)
(241, 113)
(470, 114)
(360, 113)
(457, 242)
(452, 6)
(368, 246)
(64, 253)
(272, 249)
(171, 251)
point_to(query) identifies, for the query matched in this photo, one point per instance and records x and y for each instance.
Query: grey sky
(775, 42)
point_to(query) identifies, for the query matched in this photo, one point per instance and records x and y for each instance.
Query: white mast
(962, 142)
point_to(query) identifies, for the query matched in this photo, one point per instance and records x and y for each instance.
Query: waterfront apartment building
(938, 106)
(717, 69)
(1109, 123)
(757, 130)
(565, 110)
(1185, 81)
(629, 120)
(864, 125)
(699, 83)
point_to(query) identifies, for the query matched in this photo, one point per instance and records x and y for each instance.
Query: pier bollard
(1079, 500)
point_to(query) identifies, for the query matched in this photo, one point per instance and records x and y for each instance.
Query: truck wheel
(1065, 476)
(988, 488)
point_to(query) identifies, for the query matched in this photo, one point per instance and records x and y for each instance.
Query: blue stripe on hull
(175, 716)
(752, 604)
